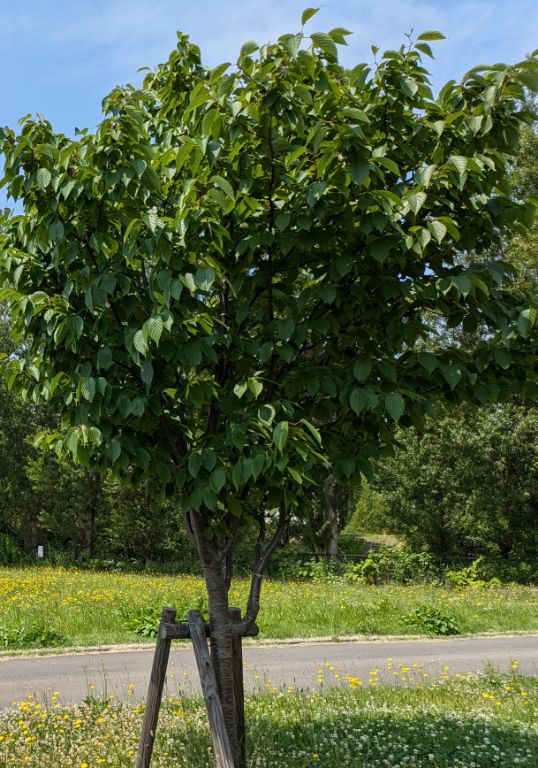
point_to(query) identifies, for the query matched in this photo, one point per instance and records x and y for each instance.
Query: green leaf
(358, 401)
(72, 440)
(463, 283)
(459, 162)
(395, 405)
(359, 171)
(451, 227)
(217, 481)
(204, 278)
(104, 358)
(415, 200)
(424, 48)
(56, 230)
(451, 375)
(427, 361)
(285, 329)
(503, 357)
(151, 219)
(409, 86)
(307, 14)
(257, 465)
(431, 34)
(224, 185)
(250, 46)
(147, 374)
(43, 177)
(209, 459)
(326, 44)
(345, 467)
(282, 221)
(438, 229)
(527, 320)
(113, 449)
(140, 343)
(362, 369)
(291, 44)
(266, 414)
(255, 386)
(188, 277)
(312, 429)
(195, 464)
(88, 389)
(240, 389)
(380, 249)
(280, 435)
(152, 329)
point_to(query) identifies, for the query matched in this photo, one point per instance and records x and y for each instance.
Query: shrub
(10, 551)
(31, 635)
(471, 577)
(432, 620)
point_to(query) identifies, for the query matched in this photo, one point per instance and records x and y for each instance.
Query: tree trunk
(221, 647)
(91, 513)
(332, 517)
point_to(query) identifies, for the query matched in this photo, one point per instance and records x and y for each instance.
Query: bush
(366, 571)
(33, 635)
(10, 551)
(396, 564)
(432, 620)
(471, 577)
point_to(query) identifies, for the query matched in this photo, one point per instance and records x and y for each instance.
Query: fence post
(219, 736)
(155, 692)
(239, 691)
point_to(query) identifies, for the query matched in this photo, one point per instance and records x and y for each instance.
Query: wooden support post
(221, 743)
(239, 691)
(155, 692)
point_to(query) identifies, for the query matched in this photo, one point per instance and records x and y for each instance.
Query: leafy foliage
(467, 483)
(432, 620)
(174, 274)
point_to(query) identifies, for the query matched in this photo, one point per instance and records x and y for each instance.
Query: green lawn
(56, 607)
(459, 722)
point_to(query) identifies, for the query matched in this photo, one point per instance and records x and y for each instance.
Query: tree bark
(221, 648)
(221, 628)
(332, 517)
(91, 514)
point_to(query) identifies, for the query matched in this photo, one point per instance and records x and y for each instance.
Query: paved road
(112, 672)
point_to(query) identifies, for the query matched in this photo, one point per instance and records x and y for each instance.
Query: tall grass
(54, 606)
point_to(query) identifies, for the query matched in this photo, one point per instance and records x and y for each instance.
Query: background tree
(222, 290)
(466, 485)
(323, 516)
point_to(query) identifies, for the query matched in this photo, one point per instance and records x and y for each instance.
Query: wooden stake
(239, 691)
(155, 692)
(221, 743)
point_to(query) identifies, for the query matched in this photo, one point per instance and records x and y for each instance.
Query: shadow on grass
(288, 731)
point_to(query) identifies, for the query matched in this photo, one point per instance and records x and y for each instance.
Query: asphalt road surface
(126, 673)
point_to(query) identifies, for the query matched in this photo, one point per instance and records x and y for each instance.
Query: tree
(222, 289)
(323, 516)
(467, 484)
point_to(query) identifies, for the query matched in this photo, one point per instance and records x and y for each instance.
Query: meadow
(55, 607)
(453, 721)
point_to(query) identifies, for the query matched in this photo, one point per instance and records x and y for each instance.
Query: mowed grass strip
(457, 722)
(53, 606)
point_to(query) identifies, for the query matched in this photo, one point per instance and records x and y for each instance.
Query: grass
(454, 721)
(44, 606)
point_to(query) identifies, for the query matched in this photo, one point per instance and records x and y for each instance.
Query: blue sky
(60, 57)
